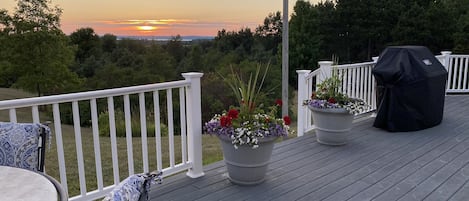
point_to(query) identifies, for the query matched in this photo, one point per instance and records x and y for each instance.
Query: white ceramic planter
(245, 165)
(332, 125)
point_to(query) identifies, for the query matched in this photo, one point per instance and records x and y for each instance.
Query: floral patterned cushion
(133, 187)
(19, 144)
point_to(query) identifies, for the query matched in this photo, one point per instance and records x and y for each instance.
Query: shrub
(104, 129)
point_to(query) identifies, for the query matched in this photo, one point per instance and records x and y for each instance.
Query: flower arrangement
(328, 95)
(248, 122)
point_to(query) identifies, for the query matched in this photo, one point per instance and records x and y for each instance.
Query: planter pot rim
(329, 110)
(264, 139)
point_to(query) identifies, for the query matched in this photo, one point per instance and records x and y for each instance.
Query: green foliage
(88, 44)
(461, 37)
(305, 39)
(329, 88)
(248, 91)
(38, 51)
(66, 114)
(175, 48)
(109, 43)
(104, 129)
(270, 33)
(160, 63)
(241, 42)
(357, 30)
(214, 97)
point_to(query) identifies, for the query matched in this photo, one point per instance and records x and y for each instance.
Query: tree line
(35, 55)
(357, 30)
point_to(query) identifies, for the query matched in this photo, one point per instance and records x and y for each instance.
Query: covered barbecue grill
(411, 89)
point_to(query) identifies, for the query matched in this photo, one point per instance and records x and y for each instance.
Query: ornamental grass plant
(248, 122)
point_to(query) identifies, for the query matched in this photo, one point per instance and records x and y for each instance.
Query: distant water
(166, 38)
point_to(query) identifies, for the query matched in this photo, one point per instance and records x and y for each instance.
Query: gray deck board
(431, 164)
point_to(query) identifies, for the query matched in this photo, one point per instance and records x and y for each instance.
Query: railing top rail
(354, 65)
(314, 73)
(459, 56)
(27, 102)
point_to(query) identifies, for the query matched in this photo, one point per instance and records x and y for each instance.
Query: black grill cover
(411, 89)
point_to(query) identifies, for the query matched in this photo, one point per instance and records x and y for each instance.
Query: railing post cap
(445, 52)
(303, 71)
(192, 75)
(325, 62)
(375, 59)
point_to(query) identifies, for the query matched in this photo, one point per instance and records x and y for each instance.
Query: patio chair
(22, 145)
(134, 187)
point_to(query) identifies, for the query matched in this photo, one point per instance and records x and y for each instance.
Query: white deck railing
(188, 103)
(457, 67)
(358, 82)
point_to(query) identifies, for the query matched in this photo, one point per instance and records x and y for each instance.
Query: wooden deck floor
(432, 164)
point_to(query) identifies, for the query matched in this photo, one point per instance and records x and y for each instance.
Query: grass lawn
(211, 150)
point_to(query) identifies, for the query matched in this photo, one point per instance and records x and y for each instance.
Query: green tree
(270, 33)
(459, 13)
(160, 63)
(461, 36)
(175, 48)
(88, 43)
(109, 43)
(88, 51)
(39, 51)
(241, 41)
(305, 39)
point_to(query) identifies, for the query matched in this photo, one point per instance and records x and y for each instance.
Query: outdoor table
(22, 184)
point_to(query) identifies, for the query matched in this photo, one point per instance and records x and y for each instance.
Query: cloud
(169, 22)
(159, 26)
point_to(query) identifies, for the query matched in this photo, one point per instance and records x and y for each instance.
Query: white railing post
(326, 70)
(446, 55)
(302, 95)
(194, 127)
(375, 59)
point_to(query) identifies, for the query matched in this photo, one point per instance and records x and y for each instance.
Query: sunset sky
(162, 17)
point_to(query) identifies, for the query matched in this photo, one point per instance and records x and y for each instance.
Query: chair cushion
(130, 189)
(135, 187)
(19, 144)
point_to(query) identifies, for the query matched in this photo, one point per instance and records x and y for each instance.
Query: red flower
(278, 102)
(287, 120)
(225, 121)
(332, 100)
(313, 95)
(233, 113)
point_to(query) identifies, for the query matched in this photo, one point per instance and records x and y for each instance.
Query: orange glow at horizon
(156, 27)
(162, 17)
(146, 28)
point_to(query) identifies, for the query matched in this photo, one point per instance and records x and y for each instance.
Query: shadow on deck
(431, 164)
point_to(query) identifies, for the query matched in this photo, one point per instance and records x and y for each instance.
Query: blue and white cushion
(133, 187)
(19, 143)
(128, 190)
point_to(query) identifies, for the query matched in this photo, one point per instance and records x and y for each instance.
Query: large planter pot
(332, 125)
(245, 165)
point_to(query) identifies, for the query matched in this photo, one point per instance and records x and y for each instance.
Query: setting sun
(146, 28)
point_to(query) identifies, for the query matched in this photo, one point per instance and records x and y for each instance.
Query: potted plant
(333, 111)
(247, 132)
